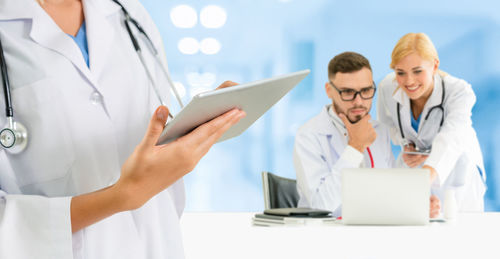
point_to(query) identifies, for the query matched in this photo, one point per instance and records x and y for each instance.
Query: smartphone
(418, 152)
(415, 151)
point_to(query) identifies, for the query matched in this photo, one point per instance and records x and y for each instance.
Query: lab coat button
(95, 98)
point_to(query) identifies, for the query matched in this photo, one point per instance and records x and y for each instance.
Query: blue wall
(263, 38)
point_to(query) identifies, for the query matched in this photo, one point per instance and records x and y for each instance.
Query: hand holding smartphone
(410, 149)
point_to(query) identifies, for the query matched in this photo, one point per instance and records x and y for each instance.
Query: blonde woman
(428, 113)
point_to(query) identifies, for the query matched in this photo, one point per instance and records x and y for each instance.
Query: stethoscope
(14, 135)
(438, 107)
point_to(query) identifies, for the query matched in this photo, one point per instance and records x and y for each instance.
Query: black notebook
(298, 212)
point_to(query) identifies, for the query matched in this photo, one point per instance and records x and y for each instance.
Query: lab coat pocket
(49, 154)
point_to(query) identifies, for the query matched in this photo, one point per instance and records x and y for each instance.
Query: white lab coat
(455, 154)
(83, 123)
(321, 152)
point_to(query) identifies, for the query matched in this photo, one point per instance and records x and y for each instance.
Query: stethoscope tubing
(154, 52)
(439, 106)
(9, 111)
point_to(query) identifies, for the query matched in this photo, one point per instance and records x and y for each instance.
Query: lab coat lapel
(100, 33)
(404, 110)
(44, 31)
(47, 33)
(19, 9)
(326, 127)
(434, 100)
(430, 127)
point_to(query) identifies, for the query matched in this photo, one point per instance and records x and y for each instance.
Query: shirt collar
(329, 120)
(336, 121)
(107, 7)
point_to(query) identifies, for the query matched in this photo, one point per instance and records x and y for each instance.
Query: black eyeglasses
(366, 93)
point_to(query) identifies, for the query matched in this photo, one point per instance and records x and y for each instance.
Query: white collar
(323, 122)
(336, 121)
(28, 9)
(18, 9)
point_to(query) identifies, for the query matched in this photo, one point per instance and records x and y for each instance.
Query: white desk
(231, 235)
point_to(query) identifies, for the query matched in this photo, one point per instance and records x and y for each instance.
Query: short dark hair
(347, 62)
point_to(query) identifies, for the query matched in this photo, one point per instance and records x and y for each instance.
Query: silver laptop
(385, 196)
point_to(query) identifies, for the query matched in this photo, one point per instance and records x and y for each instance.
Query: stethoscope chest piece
(14, 137)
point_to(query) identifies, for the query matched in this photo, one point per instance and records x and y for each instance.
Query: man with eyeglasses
(342, 136)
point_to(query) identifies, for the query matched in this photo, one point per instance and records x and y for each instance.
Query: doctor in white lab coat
(341, 136)
(91, 182)
(434, 110)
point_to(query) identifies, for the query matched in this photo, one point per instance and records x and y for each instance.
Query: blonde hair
(418, 43)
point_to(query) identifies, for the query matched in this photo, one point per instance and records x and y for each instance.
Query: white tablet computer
(255, 98)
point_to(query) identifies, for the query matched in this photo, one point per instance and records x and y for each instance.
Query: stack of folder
(292, 217)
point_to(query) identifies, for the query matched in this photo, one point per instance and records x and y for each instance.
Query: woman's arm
(150, 169)
(449, 144)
